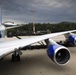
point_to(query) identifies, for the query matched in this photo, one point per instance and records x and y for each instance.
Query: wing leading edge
(8, 47)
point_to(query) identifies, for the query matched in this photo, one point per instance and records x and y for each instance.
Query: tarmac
(37, 62)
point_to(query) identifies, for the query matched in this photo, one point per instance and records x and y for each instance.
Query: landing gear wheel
(15, 57)
(18, 57)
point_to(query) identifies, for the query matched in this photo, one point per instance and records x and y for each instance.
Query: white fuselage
(2, 31)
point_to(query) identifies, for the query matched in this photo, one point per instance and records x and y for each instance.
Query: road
(36, 62)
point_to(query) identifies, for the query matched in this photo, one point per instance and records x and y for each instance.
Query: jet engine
(59, 54)
(72, 39)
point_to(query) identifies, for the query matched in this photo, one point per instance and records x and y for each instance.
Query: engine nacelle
(59, 54)
(72, 39)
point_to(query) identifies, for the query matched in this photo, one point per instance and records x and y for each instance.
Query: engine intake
(59, 54)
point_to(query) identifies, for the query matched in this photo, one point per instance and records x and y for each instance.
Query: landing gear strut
(16, 56)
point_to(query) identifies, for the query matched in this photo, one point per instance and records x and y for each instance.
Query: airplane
(9, 24)
(6, 25)
(57, 53)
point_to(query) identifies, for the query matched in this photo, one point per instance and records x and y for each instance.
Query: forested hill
(57, 27)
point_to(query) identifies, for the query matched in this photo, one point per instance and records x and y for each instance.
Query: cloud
(46, 10)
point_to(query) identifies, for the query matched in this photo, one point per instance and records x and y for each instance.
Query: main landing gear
(16, 56)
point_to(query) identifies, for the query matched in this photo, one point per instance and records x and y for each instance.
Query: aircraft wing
(11, 46)
(13, 27)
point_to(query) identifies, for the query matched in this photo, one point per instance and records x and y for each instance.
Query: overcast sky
(51, 11)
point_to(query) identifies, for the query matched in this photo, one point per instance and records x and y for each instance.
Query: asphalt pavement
(36, 62)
